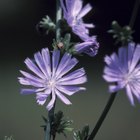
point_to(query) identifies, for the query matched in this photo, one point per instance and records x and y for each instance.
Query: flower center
(130, 78)
(51, 83)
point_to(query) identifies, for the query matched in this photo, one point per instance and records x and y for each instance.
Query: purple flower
(49, 77)
(89, 47)
(73, 13)
(124, 70)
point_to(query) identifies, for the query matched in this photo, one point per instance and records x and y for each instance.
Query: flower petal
(75, 74)
(66, 64)
(40, 63)
(30, 76)
(55, 61)
(51, 103)
(84, 11)
(110, 78)
(135, 59)
(131, 49)
(41, 97)
(62, 97)
(47, 60)
(76, 7)
(27, 91)
(75, 81)
(129, 95)
(26, 81)
(33, 68)
(69, 90)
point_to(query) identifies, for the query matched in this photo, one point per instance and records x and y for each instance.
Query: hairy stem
(49, 123)
(58, 18)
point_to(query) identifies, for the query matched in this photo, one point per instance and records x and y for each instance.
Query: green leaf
(8, 138)
(81, 135)
(59, 124)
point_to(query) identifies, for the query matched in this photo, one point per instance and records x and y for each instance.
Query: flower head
(49, 77)
(73, 13)
(124, 70)
(89, 47)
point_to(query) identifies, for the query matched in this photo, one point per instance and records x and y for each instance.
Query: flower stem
(58, 35)
(48, 125)
(58, 18)
(103, 116)
(134, 13)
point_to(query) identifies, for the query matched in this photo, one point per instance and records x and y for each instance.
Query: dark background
(20, 116)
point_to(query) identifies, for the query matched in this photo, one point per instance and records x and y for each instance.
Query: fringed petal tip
(41, 102)
(114, 88)
(82, 88)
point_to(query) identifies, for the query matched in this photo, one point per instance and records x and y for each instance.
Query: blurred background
(20, 116)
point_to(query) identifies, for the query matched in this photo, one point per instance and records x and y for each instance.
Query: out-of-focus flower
(73, 13)
(49, 77)
(89, 47)
(124, 70)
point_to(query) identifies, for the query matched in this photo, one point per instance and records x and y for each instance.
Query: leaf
(81, 135)
(8, 138)
(59, 124)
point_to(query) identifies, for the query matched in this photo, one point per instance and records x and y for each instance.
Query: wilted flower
(90, 47)
(73, 13)
(124, 70)
(49, 77)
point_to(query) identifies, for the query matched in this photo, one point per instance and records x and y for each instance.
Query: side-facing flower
(73, 13)
(49, 77)
(89, 47)
(124, 70)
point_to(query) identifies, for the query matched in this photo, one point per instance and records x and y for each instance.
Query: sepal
(122, 35)
(46, 24)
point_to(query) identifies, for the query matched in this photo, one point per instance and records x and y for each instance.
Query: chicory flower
(124, 71)
(49, 77)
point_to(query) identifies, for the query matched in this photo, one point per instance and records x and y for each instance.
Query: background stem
(103, 116)
(134, 13)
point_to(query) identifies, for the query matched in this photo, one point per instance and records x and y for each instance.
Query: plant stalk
(134, 13)
(58, 35)
(103, 116)
(58, 18)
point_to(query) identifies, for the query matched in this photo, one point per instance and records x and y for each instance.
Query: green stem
(48, 128)
(48, 125)
(58, 18)
(58, 35)
(134, 13)
(103, 116)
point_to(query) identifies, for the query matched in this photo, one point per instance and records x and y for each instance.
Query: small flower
(89, 47)
(50, 78)
(124, 70)
(73, 13)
